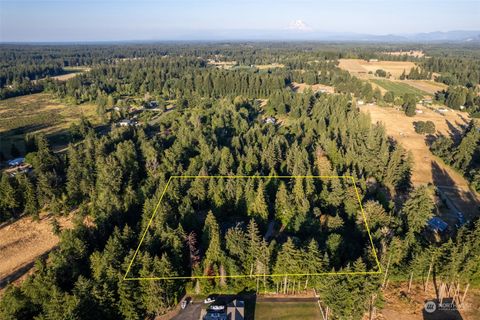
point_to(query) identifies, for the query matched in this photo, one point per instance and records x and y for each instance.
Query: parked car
(211, 298)
(217, 307)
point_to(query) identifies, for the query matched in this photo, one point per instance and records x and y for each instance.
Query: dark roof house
(236, 310)
(436, 224)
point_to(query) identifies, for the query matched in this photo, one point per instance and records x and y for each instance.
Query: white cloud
(299, 25)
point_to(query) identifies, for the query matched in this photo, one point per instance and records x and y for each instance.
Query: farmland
(38, 113)
(428, 169)
(427, 86)
(361, 68)
(398, 88)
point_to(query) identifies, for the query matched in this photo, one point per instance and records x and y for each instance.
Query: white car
(210, 299)
(217, 307)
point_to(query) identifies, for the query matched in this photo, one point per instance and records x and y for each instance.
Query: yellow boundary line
(379, 271)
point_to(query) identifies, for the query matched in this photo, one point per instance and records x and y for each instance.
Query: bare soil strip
(301, 87)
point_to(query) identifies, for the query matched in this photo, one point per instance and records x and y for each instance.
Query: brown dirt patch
(222, 64)
(360, 68)
(401, 305)
(24, 240)
(269, 66)
(301, 87)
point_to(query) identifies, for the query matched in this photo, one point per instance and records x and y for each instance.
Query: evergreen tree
(417, 210)
(259, 206)
(8, 198)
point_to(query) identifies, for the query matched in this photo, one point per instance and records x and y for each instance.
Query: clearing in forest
(238, 200)
(38, 113)
(301, 87)
(361, 68)
(269, 66)
(23, 241)
(69, 73)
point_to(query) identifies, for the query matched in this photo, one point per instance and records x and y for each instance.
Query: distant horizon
(270, 36)
(50, 21)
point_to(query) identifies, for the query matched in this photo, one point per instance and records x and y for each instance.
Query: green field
(39, 112)
(287, 311)
(399, 88)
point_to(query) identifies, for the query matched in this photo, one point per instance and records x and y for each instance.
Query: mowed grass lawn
(287, 311)
(398, 88)
(39, 112)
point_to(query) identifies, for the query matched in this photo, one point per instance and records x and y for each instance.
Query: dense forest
(110, 183)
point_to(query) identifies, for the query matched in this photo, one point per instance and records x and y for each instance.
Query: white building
(125, 123)
(271, 120)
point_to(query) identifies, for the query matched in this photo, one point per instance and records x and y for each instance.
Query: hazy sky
(87, 20)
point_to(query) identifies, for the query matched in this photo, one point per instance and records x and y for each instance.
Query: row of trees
(416, 73)
(463, 154)
(457, 97)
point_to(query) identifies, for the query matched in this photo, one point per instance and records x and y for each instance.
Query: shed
(125, 123)
(271, 120)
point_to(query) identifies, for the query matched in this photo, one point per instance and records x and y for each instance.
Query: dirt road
(428, 168)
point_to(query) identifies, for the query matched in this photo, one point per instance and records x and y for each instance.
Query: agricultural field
(398, 88)
(38, 113)
(427, 86)
(427, 168)
(361, 68)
